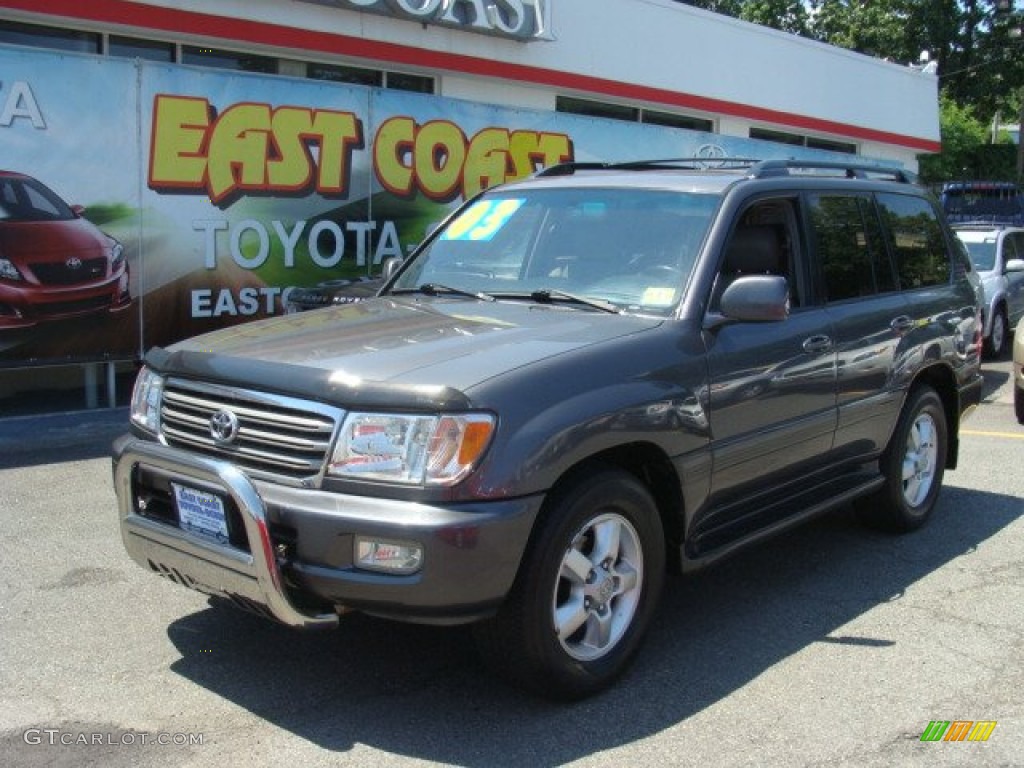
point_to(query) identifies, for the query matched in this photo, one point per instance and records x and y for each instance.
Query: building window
(777, 136)
(400, 81)
(343, 74)
(671, 120)
(49, 37)
(596, 109)
(794, 139)
(212, 57)
(136, 48)
(576, 106)
(831, 146)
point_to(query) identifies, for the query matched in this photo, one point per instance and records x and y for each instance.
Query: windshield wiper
(549, 295)
(436, 289)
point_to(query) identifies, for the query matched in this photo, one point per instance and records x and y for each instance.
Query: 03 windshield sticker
(483, 220)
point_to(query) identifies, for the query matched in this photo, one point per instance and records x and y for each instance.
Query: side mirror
(756, 299)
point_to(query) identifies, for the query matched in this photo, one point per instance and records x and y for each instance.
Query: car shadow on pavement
(993, 382)
(28, 441)
(421, 691)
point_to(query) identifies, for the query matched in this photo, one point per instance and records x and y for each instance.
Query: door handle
(816, 345)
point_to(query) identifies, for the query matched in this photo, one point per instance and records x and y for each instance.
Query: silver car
(998, 255)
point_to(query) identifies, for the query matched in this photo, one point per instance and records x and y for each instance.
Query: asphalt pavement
(828, 646)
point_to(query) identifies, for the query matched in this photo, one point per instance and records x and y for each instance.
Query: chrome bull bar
(192, 560)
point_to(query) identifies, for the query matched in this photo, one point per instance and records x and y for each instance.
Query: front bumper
(290, 551)
(24, 305)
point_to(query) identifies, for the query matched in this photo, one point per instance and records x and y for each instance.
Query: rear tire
(586, 591)
(995, 344)
(913, 465)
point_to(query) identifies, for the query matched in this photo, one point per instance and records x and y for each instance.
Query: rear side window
(850, 246)
(916, 240)
(1014, 247)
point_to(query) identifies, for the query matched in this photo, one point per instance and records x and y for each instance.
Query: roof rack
(758, 169)
(681, 163)
(768, 168)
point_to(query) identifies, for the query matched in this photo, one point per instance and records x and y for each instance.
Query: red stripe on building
(120, 12)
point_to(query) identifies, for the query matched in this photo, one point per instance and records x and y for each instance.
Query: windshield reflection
(630, 248)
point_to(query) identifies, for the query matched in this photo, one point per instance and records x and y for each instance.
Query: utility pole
(1020, 139)
(1004, 9)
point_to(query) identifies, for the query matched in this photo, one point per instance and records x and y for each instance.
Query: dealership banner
(143, 203)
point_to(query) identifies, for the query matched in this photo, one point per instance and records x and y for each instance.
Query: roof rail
(758, 169)
(768, 168)
(680, 163)
(569, 168)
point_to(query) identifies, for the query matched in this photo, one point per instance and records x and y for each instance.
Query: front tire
(913, 465)
(586, 591)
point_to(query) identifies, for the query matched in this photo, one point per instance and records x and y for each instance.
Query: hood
(51, 239)
(392, 347)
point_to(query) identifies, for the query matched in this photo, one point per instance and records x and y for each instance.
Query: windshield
(23, 199)
(982, 250)
(632, 250)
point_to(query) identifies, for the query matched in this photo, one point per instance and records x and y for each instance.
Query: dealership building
(644, 78)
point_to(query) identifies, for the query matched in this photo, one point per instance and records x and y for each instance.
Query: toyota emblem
(224, 427)
(73, 263)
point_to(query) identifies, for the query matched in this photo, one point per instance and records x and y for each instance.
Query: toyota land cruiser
(578, 381)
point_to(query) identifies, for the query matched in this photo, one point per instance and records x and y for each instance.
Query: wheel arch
(650, 466)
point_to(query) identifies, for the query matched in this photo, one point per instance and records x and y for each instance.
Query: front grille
(70, 272)
(280, 436)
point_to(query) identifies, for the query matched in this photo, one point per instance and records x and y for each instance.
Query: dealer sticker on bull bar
(201, 512)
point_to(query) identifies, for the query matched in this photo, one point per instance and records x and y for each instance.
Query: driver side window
(763, 243)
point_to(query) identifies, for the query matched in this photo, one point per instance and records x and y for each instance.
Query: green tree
(724, 7)
(977, 50)
(786, 15)
(878, 28)
(964, 138)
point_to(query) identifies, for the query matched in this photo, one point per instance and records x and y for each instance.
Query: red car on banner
(53, 263)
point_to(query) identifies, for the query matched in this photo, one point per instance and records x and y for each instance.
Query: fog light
(388, 556)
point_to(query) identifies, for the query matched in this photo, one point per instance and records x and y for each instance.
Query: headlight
(414, 450)
(8, 271)
(116, 256)
(149, 389)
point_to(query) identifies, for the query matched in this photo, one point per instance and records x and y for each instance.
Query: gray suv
(577, 382)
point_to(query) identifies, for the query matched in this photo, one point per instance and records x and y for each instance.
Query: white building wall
(655, 53)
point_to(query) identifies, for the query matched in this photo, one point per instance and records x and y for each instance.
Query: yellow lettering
(238, 150)
(487, 162)
(336, 133)
(249, 148)
(177, 157)
(439, 158)
(532, 150)
(392, 155)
